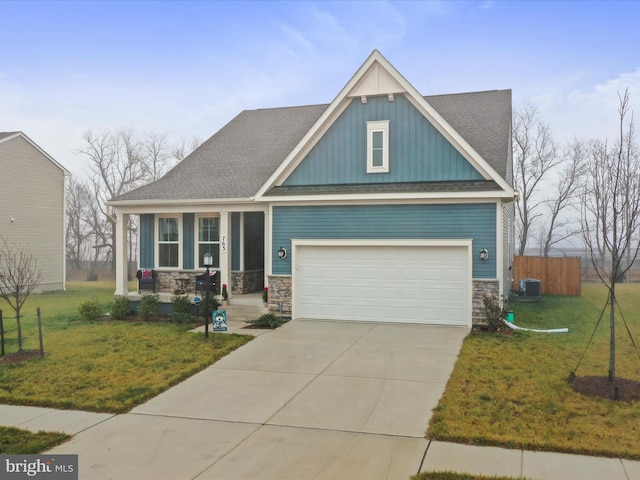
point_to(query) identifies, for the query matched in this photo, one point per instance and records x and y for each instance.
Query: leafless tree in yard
(611, 209)
(116, 163)
(19, 276)
(534, 155)
(119, 161)
(563, 199)
(158, 157)
(79, 228)
(184, 147)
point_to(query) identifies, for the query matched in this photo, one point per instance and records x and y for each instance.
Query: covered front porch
(240, 310)
(171, 243)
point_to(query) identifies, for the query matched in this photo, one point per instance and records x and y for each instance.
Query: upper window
(378, 146)
(209, 240)
(168, 242)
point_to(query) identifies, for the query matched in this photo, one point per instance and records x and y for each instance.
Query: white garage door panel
(415, 284)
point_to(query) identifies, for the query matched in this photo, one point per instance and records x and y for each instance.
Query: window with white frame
(208, 240)
(378, 146)
(168, 242)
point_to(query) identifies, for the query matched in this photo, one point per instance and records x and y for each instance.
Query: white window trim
(158, 243)
(196, 237)
(378, 126)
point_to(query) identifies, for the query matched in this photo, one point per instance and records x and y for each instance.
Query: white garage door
(384, 283)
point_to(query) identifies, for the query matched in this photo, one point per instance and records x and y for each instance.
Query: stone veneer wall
(166, 281)
(279, 295)
(241, 282)
(480, 289)
(247, 282)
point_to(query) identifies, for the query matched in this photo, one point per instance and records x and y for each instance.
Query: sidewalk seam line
(424, 457)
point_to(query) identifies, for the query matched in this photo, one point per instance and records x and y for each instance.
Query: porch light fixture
(282, 253)
(208, 260)
(484, 254)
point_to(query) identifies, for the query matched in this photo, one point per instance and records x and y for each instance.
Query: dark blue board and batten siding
(417, 151)
(446, 221)
(147, 240)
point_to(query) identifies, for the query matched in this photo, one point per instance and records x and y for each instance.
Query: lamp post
(208, 262)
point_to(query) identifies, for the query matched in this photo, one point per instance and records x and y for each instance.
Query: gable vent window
(378, 147)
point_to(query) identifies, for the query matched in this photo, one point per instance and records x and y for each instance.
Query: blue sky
(187, 68)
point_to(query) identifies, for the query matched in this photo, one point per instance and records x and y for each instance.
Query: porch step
(243, 313)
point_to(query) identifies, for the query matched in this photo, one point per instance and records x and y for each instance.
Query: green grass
(101, 366)
(512, 391)
(18, 441)
(455, 476)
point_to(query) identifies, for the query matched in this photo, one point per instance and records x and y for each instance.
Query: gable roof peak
(6, 136)
(376, 76)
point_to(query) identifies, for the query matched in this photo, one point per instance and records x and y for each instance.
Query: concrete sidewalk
(312, 399)
(489, 461)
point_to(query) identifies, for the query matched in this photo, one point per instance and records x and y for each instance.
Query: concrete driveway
(312, 399)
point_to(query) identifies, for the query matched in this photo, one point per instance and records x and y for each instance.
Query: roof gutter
(180, 202)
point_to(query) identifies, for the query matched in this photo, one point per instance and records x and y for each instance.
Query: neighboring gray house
(384, 205)
(32, 205)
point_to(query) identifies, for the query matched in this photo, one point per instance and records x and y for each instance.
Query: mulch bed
(20, 356)
(600, 387)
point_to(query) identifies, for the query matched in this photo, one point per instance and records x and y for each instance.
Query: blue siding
(188, 240)
(475, 221)
(235, 241)
(417, 151)
(147, 242)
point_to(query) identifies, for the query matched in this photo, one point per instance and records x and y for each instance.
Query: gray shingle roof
(239, 158)
(483, 119)
(235, 162)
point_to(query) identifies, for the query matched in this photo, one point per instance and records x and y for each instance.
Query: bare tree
(565, 196)
(79, 229)
(184, 147)
(158, 158)
(119, 161)
(611, 210)
(19, 276)
(534, 154)
(116, 162)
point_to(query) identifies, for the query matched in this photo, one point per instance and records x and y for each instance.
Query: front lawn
(455, 476)
(511, 391)
(18, 441)
(101, 366)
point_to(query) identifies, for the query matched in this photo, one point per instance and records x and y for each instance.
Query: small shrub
(149, 305)
(214, 303)
(494, 313)
(268, 320)
(121, 308)
(177, 317)
(90, 310)
(92, 276)
(181, 304)
(181, 309)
